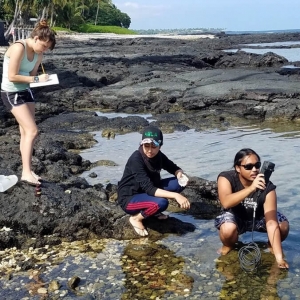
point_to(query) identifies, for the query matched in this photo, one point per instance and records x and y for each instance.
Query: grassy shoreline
(89, 28)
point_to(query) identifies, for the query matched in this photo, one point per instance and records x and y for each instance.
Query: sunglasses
(148, 145)
(250, 166)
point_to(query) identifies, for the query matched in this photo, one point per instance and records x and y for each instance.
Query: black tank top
(245, 209)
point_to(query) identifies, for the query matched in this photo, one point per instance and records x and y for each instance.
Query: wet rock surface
(184, 84)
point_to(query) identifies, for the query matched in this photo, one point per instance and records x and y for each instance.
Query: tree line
(70, 14)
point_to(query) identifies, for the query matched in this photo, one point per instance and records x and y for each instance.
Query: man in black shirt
(238, 195)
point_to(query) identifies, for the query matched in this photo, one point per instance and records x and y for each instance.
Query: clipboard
(53, 79)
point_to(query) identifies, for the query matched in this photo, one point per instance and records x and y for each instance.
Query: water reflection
(257, 285)
(111, 115)
(275, 44)
(202, 154)
(291, 55)
(153, 271)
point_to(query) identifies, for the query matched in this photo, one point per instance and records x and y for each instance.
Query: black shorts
(12, 99)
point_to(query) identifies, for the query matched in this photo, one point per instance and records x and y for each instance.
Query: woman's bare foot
(224, 250)
(30, 179)
(138, 226)
(36, 176)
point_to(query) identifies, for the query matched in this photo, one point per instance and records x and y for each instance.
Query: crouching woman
(141, 191)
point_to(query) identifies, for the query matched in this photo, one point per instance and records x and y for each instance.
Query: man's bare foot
(138, 226)
(224, 250)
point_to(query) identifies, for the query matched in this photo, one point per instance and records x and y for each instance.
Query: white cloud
(139, 11)
(131, 5)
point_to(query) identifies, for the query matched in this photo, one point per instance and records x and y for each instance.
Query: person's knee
(163, 204)
(284, 229)
(31, 133)
(228, 230)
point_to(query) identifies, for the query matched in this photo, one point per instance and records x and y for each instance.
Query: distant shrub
(57, 29)
(89, 28)
(76, 22)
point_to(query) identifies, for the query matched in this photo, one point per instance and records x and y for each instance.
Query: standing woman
(141, 191)
(20, 66)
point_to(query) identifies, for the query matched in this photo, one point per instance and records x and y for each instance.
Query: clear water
(274, 44)
(204, 154)
(263, 31)
(292, 54)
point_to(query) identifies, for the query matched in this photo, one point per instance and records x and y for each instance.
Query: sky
(230, 15)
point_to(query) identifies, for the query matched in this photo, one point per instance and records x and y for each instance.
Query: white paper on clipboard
(53, 79)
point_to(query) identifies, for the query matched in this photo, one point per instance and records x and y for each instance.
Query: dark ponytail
(241, 154)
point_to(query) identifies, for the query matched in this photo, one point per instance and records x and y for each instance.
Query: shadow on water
(170, 225)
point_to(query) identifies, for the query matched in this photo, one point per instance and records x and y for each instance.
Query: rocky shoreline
(183, 83)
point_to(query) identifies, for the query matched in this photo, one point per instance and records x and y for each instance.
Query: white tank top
(26, 67)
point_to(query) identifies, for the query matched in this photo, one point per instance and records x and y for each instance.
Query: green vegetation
(88, 28)
(57, 29)
(75, 15)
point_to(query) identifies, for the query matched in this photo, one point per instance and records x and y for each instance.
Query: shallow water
(205, 154)
(188, 266)
(292, 54)
(275, 44)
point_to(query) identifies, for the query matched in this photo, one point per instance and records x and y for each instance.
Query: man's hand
(258, 182)
(282, 264)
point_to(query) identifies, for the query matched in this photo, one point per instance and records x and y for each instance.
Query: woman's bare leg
(25, 116)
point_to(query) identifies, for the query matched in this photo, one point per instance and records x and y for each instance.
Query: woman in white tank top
(20, 67)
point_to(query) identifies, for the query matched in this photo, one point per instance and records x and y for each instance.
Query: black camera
(267, 169)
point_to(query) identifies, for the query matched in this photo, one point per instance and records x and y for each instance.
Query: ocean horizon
(201, 31)
(262, 31)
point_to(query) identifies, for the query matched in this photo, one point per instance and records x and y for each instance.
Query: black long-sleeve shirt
(138, 179)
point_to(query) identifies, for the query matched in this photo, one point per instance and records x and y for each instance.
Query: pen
(43, 68)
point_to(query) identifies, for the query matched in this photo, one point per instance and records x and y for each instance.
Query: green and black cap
(153, 135)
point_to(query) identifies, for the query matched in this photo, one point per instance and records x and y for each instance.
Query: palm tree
(53, 5)
(96, 18)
